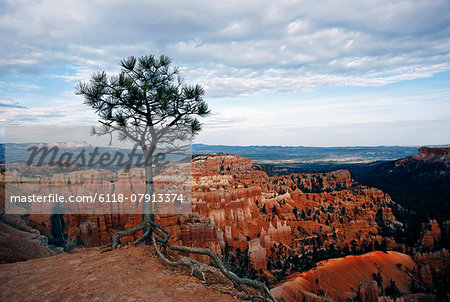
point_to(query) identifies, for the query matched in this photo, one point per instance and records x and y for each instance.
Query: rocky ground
(126, 274)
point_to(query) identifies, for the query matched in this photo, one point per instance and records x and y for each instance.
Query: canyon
(295, 232)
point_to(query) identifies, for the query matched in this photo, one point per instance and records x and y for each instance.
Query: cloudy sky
(313, 73)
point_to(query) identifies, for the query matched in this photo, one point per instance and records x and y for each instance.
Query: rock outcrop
(368, 291)
(434, 154)
(431, 234)
(419, 183)
(21, 243)
(346, 278)
(432, 266)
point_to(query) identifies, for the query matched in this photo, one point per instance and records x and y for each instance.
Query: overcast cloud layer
(235, 49)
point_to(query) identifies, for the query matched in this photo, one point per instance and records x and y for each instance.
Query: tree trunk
(147, 214)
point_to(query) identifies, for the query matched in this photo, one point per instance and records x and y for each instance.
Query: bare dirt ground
(126, 274)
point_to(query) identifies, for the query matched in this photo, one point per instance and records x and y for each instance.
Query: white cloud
(8, 102)
(325, 39)
(26, 87)
(59, 116)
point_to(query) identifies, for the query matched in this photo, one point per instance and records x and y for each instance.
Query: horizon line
(331, 146)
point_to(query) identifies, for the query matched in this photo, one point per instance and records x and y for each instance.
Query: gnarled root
(117, 235)
(238, 282)
(197, 268)
(142, 238)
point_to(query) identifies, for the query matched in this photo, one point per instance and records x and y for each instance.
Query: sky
(311, 73)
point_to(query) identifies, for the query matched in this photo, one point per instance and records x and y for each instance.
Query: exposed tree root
(197, 268)
(116, 237)
(142, 238)
(239, 283)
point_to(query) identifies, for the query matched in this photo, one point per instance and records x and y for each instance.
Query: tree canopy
(148, 93)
